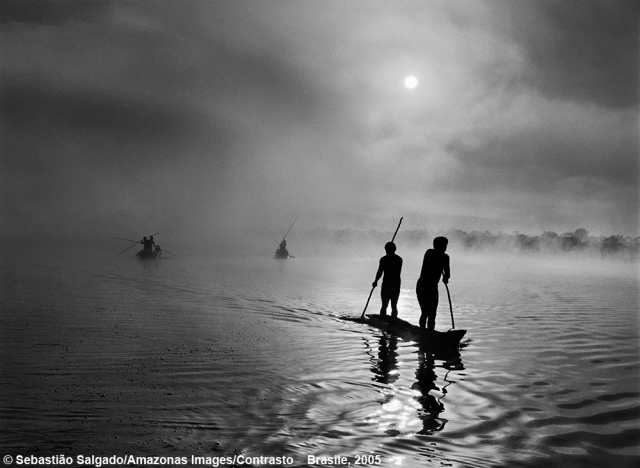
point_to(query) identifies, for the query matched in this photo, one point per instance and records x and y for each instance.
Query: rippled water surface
(255, 357)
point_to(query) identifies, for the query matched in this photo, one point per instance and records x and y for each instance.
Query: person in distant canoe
(282, 251)
(390, 267)
(147, 244)
(158, 251)
(435, 265)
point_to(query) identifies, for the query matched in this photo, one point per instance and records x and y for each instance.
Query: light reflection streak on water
(408, 409)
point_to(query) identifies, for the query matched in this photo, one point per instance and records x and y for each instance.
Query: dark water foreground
(253, 357)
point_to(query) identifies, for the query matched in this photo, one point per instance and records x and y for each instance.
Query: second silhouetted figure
(434, 266)
(391, 267)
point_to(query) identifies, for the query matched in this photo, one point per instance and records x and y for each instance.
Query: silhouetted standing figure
(390, 267)
(147, 244)
(434, 265)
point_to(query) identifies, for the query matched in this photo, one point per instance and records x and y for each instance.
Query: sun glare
(411, 82)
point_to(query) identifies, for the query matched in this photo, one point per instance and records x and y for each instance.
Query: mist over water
(212, 356)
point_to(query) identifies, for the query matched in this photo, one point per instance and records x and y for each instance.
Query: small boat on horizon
(282, 253)
(148, 252)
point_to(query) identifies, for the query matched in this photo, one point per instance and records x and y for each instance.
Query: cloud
(44, 12)
(219, 117)
(583, 51)
(135, 116)
(560, 139)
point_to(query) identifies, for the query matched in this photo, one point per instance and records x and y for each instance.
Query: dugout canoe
(406, 330)
(148, 255)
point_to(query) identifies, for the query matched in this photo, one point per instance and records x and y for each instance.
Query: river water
(255, 357)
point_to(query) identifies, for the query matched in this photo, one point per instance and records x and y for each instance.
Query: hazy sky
(218, 117)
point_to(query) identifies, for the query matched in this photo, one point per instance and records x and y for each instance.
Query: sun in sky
(411, 82)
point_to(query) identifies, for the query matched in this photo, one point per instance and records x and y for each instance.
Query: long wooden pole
(122, 238)
(163, 250)
(128, 248)
(394, 234)
(367, 304)
(294, 222)
(371, 292)
(453, 325)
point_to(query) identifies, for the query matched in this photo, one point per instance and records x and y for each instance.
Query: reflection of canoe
(147, 255)
(406, 330)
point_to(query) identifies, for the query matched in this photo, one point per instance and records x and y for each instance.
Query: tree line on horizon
(578, 241)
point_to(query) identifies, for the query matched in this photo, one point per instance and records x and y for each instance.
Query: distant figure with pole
(390, 267)
(434, 266)
(158, 251)
(282, 251)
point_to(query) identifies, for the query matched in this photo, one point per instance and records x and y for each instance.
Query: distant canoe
(404, 329)
(282, 254)
(147, 255)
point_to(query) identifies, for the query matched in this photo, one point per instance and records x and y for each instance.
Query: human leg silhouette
(428, 300)
(385, 302)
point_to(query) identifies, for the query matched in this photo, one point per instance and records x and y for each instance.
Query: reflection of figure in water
(387, 360)
(434, 265)
(429, 395)
(390, 267)
(425, 382)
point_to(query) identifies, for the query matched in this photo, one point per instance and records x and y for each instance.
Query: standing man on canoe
(434, 265)
(147, 244)
(390, 267)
